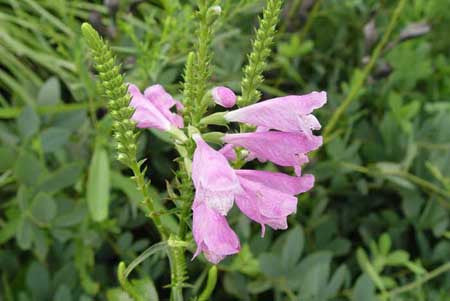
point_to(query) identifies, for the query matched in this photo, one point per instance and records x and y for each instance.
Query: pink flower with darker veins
(281, 148)
(152, 110)
(215, 182)
(290, 113)
(269, 197)
(212, 234)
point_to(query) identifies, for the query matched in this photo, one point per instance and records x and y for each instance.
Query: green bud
(216, 118)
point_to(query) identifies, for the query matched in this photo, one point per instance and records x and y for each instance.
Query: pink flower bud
(223, 96)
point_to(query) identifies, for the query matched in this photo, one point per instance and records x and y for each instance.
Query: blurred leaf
(24, 234)
(63, 177)
(43, 208)
(292, 249)
(270, 265)
(49, 94)
(52, 139)
(28, 122)
(98, 185)
(28, 168)
(38, 282)
(364, 289)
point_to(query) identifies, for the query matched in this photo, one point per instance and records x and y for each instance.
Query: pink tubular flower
(223, 96)
(288, 114)
(152, 110)
(212, 234)
(215, 182)
(269, 197)
(228, 152)
(284, 149)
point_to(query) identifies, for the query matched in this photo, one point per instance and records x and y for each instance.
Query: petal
(214, 180)
(228, 151)
(146, 114)
(278, 181)
(288, 113)
(164, 102)
(223, 96)
(284, 149)
(264, 204)
(212, 233)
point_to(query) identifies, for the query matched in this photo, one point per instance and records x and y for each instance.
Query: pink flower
(284, 149)
(228, 152)
(223, 96)
(212, 234)
(215, 182)
(152, 110)
(288, 114)
(269, 197)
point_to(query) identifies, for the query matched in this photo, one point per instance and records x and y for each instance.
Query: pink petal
(265, 205)
(289, 113)
(213, 235)
(228, 151)
(284, 149)
(146, 114)
(278, 181)
(214, 180)
(223, 96)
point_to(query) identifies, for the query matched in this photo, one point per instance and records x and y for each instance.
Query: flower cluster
(283, 135)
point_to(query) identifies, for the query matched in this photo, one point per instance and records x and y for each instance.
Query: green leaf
(384, 244)
(146, 289)
(52, 139)
(28, 122)
(245, 262)
(98, 185)
(292, 249)
(50, 92)
(398, 257)
(364, 289)
(28, 169)
(43, 208)
(311, 276)
(65, 176)
(270, 265)
(63, 294)
(8, 229)
(336, 282)
(38, 282)
(24, 234)
(8, 156)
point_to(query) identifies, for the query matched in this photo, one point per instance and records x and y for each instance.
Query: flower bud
(223, 96)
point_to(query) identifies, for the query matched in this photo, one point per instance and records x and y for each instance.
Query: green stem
(311, 16)
(357, 84)
(210, 284)
(142, 186)
(415, 179)
(427, 277)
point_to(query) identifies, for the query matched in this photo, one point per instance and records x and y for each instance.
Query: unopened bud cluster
(114, 89)
(259, 55)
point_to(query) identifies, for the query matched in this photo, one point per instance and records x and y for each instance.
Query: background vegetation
(376, 226)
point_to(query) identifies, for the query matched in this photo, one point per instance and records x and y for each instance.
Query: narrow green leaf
(98, 185)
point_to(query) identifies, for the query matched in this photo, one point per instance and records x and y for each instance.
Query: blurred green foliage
(376, 225)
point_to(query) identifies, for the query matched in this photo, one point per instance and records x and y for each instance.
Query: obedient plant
(211, 177)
